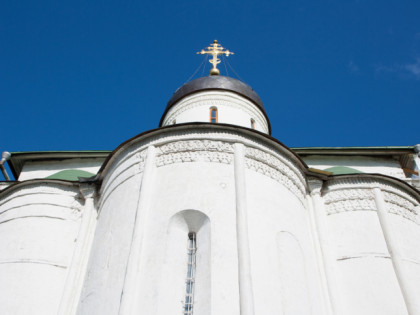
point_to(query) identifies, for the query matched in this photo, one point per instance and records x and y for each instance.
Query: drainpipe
(4, 157)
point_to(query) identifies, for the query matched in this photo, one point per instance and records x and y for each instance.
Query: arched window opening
(189, 291)
(185, 283)
(174, 122)
(213, 115)
(252, 123)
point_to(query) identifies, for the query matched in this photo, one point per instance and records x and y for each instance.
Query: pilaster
(328, 259)
(129, 296)
(78, 265)
(246, 295)
(410, 298)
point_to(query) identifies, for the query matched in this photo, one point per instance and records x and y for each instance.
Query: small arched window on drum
(252, 123)
(213, 115)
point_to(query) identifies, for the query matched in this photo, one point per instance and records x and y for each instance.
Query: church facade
(209, 214)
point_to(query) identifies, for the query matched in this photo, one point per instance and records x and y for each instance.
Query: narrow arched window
(252, 123)
(189, 294)
(213, 115)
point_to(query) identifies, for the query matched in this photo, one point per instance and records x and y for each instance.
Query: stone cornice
(198, 131)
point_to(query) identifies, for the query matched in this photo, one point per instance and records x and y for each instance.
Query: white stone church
(209, 214)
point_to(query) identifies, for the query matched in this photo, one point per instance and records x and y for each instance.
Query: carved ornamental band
(338, 201)
(401, 206)
(194, 151)
(273, 167)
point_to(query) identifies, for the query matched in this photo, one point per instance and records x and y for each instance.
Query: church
(209, 214)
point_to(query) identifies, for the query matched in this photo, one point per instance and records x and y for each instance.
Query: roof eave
(18, 159)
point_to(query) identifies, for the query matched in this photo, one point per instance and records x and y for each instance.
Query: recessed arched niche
(184, 259)
(294, 283)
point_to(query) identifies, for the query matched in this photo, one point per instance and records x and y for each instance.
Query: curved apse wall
(38, 227)
(367, 243)
(294, 283)
(175, 267)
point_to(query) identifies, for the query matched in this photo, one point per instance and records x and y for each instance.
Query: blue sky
(88, 75)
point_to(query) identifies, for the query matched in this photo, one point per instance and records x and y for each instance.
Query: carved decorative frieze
(141, 160)
(349, 200)
(276, 175)
(384, 185)
(190, 145)
(405, 197)
(395, 199)
(195, 145)
(277, 161)
(362, 199)
(348, 194)
(401, 206)
(402, 211)
(202, 134)
(267, 164)
(194, 151)
(351, 205)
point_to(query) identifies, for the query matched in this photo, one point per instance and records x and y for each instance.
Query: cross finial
(215, 49)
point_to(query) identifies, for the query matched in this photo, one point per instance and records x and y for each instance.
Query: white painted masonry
(39, 226)
(273, 236)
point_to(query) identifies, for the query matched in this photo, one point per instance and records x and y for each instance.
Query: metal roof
(386, 150)
(18, 159)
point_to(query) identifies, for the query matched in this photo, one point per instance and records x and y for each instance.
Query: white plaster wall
(366, 272)
(285, 272)
(232, 109)
(365, 164)
(39, 226)
(208, 188)
(186, 186)
(404, 215)
(156, 189)
(195, 173)
(117, 206)
(44, 169)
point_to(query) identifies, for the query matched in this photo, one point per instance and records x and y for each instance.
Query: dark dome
(215, 82)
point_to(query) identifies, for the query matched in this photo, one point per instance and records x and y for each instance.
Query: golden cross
(215, 49)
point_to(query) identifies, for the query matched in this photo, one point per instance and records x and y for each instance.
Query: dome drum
(225, 91)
